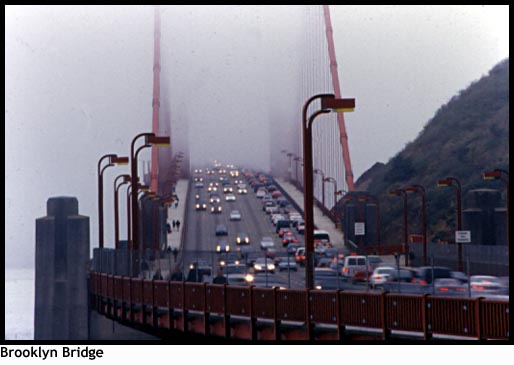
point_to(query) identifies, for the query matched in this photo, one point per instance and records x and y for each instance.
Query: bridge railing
(163, 304)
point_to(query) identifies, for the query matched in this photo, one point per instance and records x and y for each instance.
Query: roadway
(201, 239)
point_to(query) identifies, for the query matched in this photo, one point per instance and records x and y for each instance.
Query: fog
(79, 85)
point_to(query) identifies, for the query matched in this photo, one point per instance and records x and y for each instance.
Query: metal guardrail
(162, 304)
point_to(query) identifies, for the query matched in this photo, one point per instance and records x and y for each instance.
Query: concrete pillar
(62, 255)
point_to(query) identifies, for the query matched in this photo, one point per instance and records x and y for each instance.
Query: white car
(230, 198)
(380, 275)
(353, 264)
(267, 242)
(198, 184)
(263, 265)
(276, 217)
(235, 215)
(261, 194)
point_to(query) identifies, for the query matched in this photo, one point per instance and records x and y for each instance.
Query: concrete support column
(62, 255)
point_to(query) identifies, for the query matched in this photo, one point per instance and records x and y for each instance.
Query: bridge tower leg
(62, 254)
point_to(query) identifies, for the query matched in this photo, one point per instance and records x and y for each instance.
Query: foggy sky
(79, 85)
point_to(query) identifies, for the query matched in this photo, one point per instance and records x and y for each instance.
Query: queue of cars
(333, 270)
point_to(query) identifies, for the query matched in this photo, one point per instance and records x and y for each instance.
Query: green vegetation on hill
(468, 135)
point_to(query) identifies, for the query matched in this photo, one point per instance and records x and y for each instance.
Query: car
(236, 274)
(228, 189)
(214, 199)
(275, 217)
(291, 248)
(401, 280)
(198, 179)
(241, 188)
(450, 286)
(271, 208)
(380, 275)
(486, 285)
(374, 261)
(282, 223)
(361, 276)
(221, 230)
(284, 265)
(198, 171)
(275, 194)
(245, 251)
(222, 246)
(242, 238)
(228, 258)
(282, 231)
(423, 275)
(300, 255)
(216, 209)
(327, 279)
(260, 194)
(199, 184)
(300, 227)
(197, 197)
(288, 238)
(263, 265)
(201, 265)
(262, 280)
(330, 252)
(352, 264)
(230, 197)
(267, 243)
(235, 215)
(200, 205)
(324, 262)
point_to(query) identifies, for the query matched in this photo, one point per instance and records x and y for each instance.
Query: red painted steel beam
(337, 92)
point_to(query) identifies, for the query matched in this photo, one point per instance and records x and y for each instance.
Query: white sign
(360, 229)
(463, 236)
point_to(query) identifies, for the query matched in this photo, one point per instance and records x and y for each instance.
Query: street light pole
(421, 189)
(126, 179)
(401, 192)
(112, 160)
(150, 139)
(449, 182)
(328, 103)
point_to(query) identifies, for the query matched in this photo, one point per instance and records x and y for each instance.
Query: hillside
(467, 136)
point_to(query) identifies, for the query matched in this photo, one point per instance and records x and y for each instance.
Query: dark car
(268, 281)
(327, 279)
(423, 274)
(283, 223)
(221, 230)
(200, 205)
(216, 209)
(229, 258)
(198, 268)
(242, 238)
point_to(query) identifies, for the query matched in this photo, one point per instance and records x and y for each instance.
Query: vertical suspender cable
(156, 92)
(337, 92)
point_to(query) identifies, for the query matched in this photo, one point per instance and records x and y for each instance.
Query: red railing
(162, 304)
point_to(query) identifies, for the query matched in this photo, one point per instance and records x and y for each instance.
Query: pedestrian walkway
(177, 213)
(174, 239)
(321, 221)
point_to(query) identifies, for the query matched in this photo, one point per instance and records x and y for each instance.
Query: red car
(362, 276)
(288, 238)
